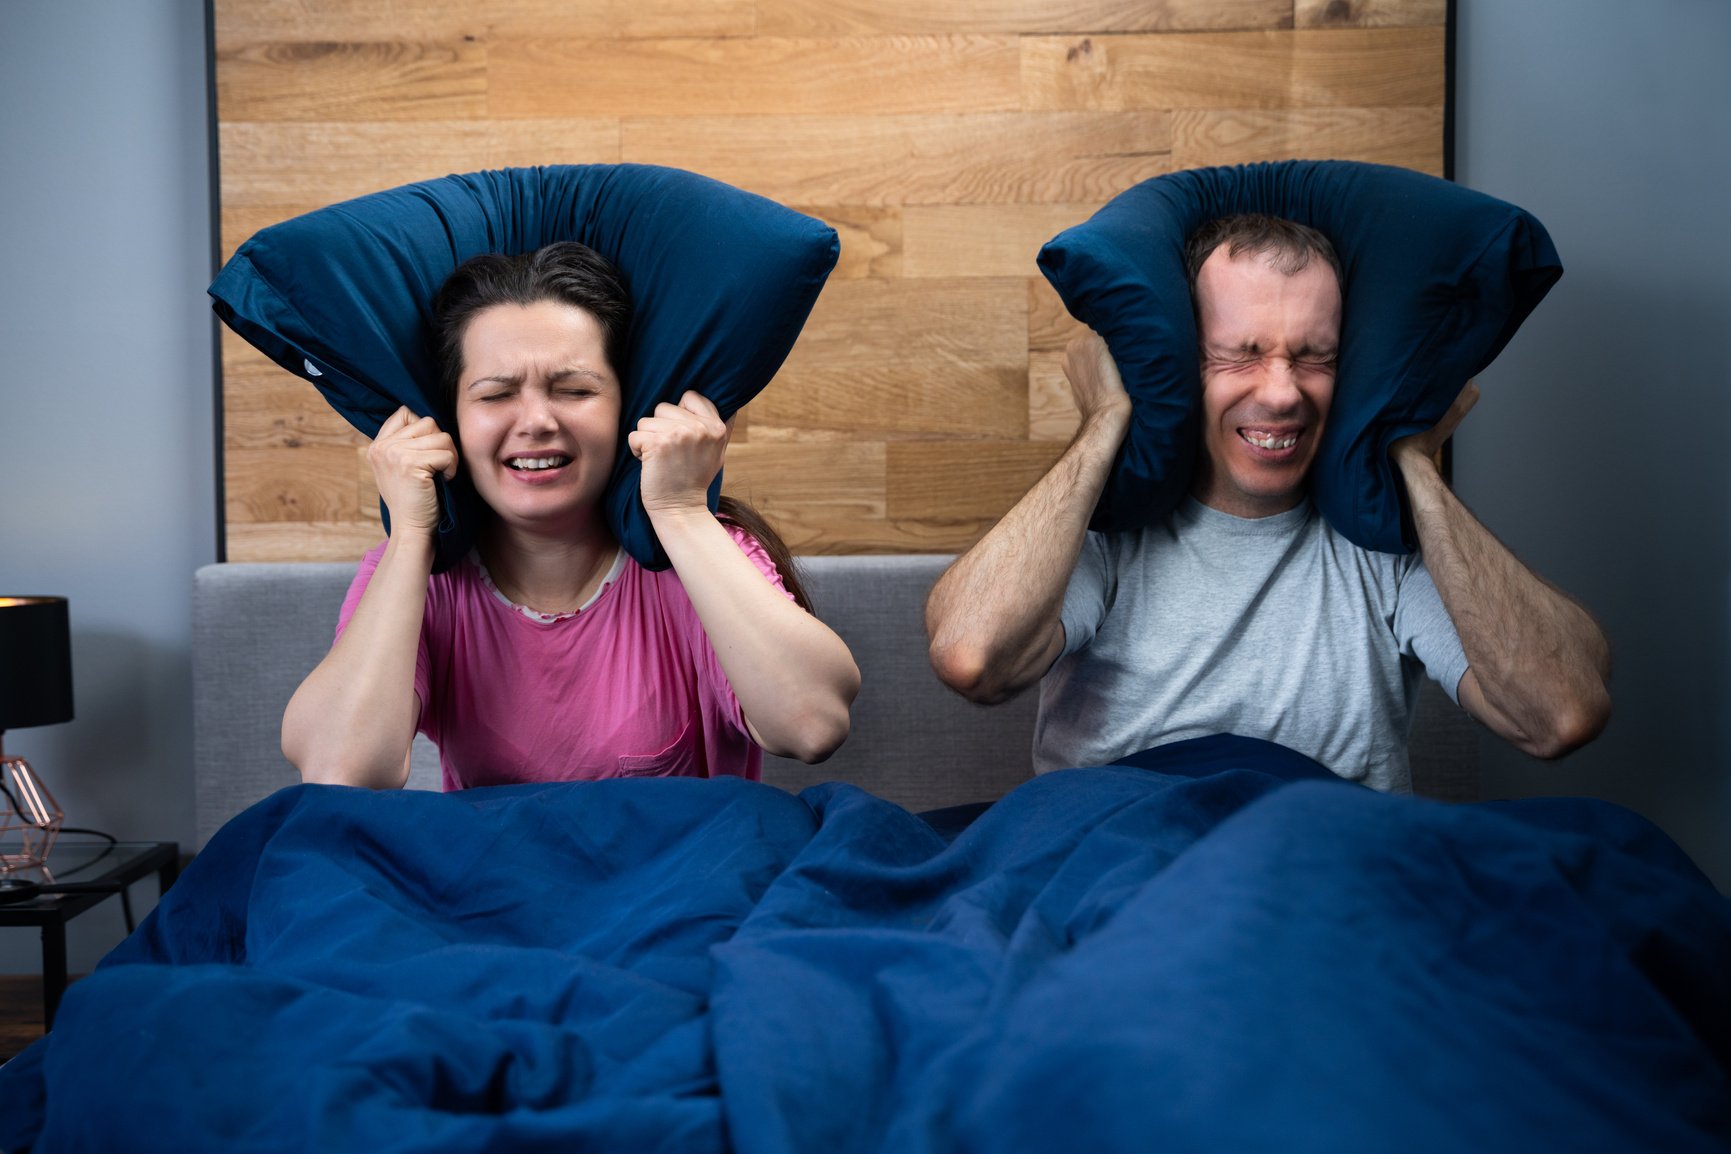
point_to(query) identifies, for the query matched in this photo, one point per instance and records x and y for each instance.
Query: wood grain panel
(849, 17)
(984, 159)
(838, 480)
(1052, 412)
(302, 541)
(271, 160)
(816, 533)
(931, 481)
(266, 408)
(1407, 137)
(762, 76)
(1348, 68)
(314, 482)
(1370, 13)
(240, 22)
(871, 239)
(982, 240)
(945, 142)
(355, 160)
(1050, 326)
(882, 360)
(321, 162)
(323, 80)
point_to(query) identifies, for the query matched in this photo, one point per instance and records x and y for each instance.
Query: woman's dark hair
(574, 274)
(747, 518)
(567, 272)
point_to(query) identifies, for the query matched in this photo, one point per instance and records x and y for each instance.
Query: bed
(1214, 946)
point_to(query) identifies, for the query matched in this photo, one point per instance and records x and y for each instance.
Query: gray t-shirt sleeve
(1086, 597)
(1424, 631)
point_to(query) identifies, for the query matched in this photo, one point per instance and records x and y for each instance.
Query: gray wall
(1597, 450)
(105, 399)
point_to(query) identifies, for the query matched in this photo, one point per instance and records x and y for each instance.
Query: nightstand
(78, 876)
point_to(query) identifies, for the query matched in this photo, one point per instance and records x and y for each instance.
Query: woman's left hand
(682, 447)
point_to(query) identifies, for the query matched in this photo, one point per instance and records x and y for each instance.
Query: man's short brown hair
(1288, 244)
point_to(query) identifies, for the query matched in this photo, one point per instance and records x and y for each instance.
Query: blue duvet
(1217, 947)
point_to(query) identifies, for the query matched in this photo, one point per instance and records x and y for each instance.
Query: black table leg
(53, 971)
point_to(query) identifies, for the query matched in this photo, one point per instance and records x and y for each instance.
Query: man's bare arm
(1537, 661)
(995, 617)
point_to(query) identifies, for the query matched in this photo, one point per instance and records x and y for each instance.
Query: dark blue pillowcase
(1437, 279)
(721, 281)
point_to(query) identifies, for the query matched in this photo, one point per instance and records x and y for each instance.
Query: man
(1244, 611)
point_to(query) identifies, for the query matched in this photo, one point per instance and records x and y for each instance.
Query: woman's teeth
(1270, 440)
(534, 463)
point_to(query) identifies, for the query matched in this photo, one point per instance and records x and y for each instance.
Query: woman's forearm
(794, 678)
(352, 720)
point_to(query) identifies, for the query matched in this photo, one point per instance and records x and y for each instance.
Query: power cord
(15, 889)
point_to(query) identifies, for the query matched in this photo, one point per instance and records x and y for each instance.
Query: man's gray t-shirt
(1277, 628)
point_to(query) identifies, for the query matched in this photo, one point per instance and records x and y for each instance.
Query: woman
(549, 654)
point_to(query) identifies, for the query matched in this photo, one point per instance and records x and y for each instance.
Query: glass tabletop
(80, 860)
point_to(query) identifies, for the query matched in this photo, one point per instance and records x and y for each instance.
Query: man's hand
(1095, 385)
(1426, 445)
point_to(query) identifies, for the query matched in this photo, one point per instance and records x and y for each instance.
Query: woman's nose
(535, 413)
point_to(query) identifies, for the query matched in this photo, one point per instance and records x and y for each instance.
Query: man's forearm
(994, 616)
(1537, 662)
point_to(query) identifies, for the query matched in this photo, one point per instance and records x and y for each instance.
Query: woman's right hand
(406, 455)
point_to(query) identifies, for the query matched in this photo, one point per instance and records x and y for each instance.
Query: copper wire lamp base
(30, 818)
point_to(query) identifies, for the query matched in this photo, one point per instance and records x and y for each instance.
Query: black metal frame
(58, 904)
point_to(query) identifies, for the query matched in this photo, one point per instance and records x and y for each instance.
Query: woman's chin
(544, 518)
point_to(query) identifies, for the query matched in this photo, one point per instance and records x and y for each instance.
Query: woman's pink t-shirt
(629, 686)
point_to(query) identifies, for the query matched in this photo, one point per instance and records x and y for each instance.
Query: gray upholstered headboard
(258, 629)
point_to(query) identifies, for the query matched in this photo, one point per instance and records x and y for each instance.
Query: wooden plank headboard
(945, 141)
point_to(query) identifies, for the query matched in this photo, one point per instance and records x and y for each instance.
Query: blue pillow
(1437, 279)
(721, 281)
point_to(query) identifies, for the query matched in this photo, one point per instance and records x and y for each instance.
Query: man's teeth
(1271, 440)
(533, 463)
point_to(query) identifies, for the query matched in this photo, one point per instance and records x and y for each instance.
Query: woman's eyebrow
(515, 380)
(576, 371)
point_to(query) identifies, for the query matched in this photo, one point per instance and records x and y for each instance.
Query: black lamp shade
(35, 662)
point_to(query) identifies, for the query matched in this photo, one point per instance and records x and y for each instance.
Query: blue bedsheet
(1218, 948)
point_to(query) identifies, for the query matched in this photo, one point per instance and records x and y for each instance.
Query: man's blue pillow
(721, 280)
(1437, 279)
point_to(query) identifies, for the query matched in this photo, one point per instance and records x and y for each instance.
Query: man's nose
(1278, 388)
